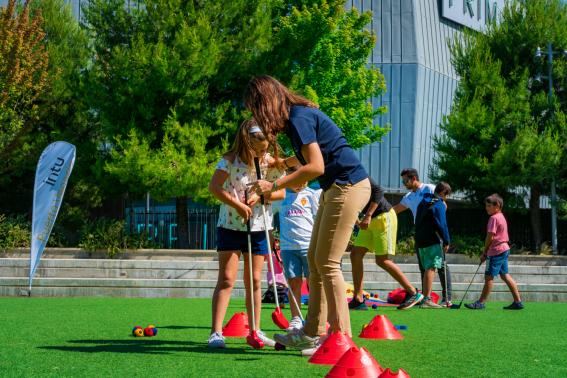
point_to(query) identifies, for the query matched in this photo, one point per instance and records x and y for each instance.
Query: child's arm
(487, 243)
(440, 217)
(216, 187)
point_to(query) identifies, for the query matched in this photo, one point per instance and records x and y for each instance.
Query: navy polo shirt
(310, 125)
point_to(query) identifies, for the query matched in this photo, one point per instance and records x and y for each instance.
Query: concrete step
(154, 269)
(181, 288)
(186, 274)
(188, 254)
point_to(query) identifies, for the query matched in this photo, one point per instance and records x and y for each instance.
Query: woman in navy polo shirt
(323, 153)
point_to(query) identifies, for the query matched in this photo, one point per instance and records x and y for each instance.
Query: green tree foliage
(23, 73)
(322, 51)
(60, 114)
(167, 79)
(502, 135)
(65, 114)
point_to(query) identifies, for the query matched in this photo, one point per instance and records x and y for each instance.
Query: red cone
(380, 328)
(332, 349)
(356, 363)
(389, 374)
(237, 326)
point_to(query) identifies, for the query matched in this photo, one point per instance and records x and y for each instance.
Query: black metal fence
(161, 227)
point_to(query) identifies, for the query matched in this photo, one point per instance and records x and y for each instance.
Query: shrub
(406, 246)
(14, 232)
(110, 236)
(467, 245)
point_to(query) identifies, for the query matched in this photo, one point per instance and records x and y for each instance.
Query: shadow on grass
(174, 327)
(155, 347)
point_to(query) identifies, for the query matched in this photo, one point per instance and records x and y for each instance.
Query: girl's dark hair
(270, 103)
(443, 189)
(242, 146)
(494, 200)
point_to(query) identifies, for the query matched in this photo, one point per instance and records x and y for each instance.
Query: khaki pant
(338, 211)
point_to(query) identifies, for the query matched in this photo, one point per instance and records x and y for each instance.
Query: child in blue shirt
(297, 216)
(432, 237)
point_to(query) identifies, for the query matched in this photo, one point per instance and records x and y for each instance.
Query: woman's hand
(261, 187)
(244, 211)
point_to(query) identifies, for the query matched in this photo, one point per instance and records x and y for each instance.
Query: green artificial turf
(74, 337)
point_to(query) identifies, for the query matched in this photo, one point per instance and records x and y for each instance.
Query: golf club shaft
(270, 262)
(446, 283)
(466, 291)
(250, 274)
(251, 281)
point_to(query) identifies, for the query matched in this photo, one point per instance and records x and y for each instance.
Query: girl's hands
(253, 199)
(244, 211)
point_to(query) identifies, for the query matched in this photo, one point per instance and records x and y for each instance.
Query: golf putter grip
(258, 175)
(248, 221)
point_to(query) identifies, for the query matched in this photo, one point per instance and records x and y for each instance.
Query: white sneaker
(216, 340)
(311, 351)
(296, 323)
(265, 339)
(296, 339)
(430, 304)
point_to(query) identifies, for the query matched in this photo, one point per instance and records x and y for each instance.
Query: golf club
(277, 316)
(456, 307)
(252, 339)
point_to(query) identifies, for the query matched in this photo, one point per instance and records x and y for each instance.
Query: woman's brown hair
(270, 102)
(245, 136)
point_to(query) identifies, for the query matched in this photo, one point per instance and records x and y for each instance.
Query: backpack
(268, 296)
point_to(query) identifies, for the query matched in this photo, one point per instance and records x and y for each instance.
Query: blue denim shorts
(295, 263)
(232, 240)
(497, 264)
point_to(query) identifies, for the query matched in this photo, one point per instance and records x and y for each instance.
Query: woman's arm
(314, 168)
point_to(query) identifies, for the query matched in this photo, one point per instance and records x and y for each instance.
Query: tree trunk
(182, 222)
(535, 217)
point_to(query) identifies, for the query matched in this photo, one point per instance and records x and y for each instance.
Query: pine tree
(502, 135)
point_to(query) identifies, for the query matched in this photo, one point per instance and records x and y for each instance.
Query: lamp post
(539, 55)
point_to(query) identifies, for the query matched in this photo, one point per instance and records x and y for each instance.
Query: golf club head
(279, 319)
(254, 341)
(456, 306)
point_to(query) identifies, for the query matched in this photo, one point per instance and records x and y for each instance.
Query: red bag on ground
(397, 296)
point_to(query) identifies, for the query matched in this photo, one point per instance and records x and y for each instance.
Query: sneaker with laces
(311, 351)
(216, 340)
(428, 303)
(515, 306)
(265, 339)
(297, 339)
(296, 323)
(475, 305)
(355, 304)
(411, 300)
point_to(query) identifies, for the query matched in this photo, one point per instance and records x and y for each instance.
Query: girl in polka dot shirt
(229, 183)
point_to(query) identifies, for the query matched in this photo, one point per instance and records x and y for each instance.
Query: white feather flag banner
(53, 171)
